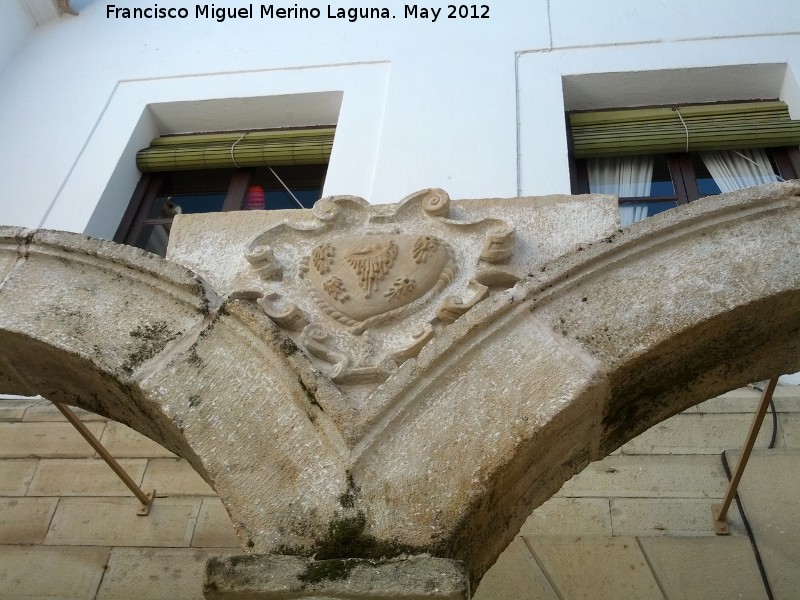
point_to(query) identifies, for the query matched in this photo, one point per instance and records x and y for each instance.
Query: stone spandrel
(545, 227)
(362, 289)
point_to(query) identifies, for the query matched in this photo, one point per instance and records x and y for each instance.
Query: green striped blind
(237, 149)
(660, 130)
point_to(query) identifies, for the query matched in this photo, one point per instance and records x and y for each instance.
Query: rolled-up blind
(668, 129)
(185, 152)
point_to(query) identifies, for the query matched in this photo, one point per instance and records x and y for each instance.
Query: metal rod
(720, 511)
(145, 499)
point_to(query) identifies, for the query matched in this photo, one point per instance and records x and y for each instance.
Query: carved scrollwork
(318, 343)
(326, 209)
(264, 262)
(290, 317)
(498, 276)
(455, 306)
(499, 245)
(436, 203)
(418, 341)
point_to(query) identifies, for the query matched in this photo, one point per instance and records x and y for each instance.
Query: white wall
(15, 26)
(476, 107)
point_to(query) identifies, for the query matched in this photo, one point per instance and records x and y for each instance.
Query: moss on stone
(327, 570)
(346, 539)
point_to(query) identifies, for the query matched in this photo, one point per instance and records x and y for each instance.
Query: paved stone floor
(635, 525)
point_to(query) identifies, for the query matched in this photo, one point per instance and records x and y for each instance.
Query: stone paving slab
(697, 434)
(670, 516)
(593, 567)
(173, 477)
(696, 476)
(57, 440)
(770, 495)
(515, 576)
(114, 522)
(214, 528)
(83, 477)
(122, 441)
(28, 572)
(47, 411)
(15, 475)
(704, 568)
(25, 520)
(13, 409)
(745, 400)
(570, 516)
(155, 574)
(789, 393)
(790, 427)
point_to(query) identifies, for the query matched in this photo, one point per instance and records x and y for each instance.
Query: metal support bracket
(720, 511)
(144, 509)
(145, 499)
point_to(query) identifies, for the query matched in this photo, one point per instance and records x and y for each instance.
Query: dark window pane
(631, 212)
(280, 199)
(304, 181)
(706, 186)
(153, 238)
(163, 207)
(662, 179)
(198, 203)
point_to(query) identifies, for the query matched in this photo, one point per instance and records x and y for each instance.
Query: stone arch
(584, 355)
(145, 342)
(491, 418)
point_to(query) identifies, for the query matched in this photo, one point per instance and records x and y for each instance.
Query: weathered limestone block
(275, 577)
(370, 382)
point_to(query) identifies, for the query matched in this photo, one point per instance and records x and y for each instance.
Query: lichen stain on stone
(310, 394)
(287, 346)
(150, 339)
(327, 570)
(348, 498)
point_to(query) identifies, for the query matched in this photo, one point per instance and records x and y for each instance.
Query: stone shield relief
(362, 289)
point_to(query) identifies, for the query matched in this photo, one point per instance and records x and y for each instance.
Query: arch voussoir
(145, 342)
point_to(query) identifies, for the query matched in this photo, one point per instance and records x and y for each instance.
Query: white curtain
(624, 177)
(738, 169)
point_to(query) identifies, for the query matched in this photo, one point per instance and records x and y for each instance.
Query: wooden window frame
(150, 186)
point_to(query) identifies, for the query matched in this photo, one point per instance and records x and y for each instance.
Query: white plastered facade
(473, 106)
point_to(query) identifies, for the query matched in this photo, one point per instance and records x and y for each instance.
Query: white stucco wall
(15, 26)
(473, 106)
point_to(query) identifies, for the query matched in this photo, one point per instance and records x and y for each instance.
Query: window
(652, 183)
(635, 153)
(184, 174)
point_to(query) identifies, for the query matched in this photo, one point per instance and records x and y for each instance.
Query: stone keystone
(371, 389)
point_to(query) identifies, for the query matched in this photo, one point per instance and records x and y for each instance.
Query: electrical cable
(288, 191)
(299, 204)
(750, 535)
(774, 425)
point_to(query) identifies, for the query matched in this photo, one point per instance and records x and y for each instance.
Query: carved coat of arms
(363, 288)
